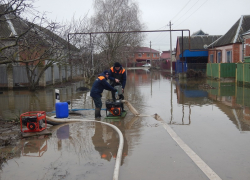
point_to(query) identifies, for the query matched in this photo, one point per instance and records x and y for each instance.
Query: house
(145, 54)
(165, 56)
(22, 44)
(193, 50)
(228, 48)
(31, 41)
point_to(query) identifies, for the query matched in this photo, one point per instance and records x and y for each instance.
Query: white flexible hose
(121, 140)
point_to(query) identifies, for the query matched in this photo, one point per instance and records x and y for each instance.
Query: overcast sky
(214, 17)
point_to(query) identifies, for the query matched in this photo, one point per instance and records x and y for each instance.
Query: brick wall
(247, 49)
(236, 53)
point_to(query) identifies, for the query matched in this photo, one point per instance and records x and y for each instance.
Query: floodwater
(209, 117)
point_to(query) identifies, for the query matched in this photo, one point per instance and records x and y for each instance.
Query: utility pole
(150, 55)
(171, 69)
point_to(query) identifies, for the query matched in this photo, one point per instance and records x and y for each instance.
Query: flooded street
(211, 121)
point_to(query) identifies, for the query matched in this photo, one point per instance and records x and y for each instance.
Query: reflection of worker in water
(106, 141)
(96, 92)
(118, 77)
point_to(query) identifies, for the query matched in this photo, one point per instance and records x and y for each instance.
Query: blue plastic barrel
(62, 110)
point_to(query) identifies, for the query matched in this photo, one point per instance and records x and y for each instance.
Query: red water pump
(35, 121)
(114, 107)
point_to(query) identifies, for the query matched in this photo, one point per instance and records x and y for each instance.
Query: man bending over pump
(96, 91)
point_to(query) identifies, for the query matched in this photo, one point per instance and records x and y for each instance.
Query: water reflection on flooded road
(212, 118)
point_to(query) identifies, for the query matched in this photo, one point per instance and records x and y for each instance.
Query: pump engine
(114, 107)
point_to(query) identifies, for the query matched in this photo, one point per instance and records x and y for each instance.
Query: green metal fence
(221, 70)
(243, 72)
(213, 70)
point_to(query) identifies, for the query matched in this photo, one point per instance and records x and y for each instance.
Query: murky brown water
(214, 123)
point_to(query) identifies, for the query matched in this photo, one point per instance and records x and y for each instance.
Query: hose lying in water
(131, 108)
(121, 140)
(58, 121)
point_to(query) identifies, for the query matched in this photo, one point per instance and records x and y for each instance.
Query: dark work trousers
(98, 102)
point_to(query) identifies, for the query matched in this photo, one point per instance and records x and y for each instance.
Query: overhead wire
(181, 10)
(192, 13)
(187, 11)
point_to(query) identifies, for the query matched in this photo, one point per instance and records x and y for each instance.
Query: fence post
(10, 77)
(219, 70)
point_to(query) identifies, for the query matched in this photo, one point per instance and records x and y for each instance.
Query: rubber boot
(97, 113)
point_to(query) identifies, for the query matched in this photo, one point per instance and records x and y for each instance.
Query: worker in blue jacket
(96, 91)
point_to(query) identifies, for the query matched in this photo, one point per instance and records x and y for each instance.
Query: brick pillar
(10, 77)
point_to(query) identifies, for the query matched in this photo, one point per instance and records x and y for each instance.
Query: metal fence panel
(3, 75)
(48, 75)
(56, 72)
(227, 70)
(246, 72)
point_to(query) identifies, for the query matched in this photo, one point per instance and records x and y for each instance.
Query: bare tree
(83, 59)
(28, 44)
(116, 16)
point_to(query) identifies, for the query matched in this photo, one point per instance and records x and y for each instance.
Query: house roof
(233, 35)
(10, 24)
(246, 33)
(196, 42)
(199, 33)
(145, 50)
(13, 26)
(165, 54)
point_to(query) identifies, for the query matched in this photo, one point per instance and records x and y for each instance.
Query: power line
(187, 11)
(180, 10)
(192, 13)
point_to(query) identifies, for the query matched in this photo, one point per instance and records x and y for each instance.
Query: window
(148, 55)
(211, 58)
(229, 56)
(139, 54)
(219, 57)
(154, 55)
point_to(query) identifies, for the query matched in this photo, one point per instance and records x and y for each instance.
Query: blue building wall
(187, 53)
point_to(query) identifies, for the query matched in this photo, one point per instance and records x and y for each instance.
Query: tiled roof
(145, 50)
(233, 35)
(196, 42)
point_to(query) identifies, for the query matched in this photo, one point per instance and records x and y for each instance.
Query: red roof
(145, 50)
(165, 55)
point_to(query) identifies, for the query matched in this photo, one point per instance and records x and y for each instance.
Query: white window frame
(211, 58)
(219, 57)
(229, 56)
